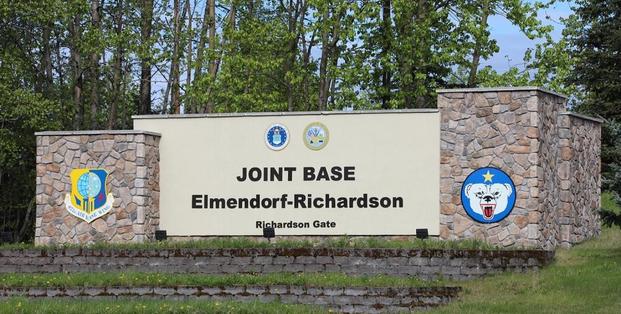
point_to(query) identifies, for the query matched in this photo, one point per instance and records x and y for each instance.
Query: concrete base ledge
(425, 264)
(353, 299)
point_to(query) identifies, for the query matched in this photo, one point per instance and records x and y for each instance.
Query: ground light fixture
(422, 234)
(269, 233)
(160, 235)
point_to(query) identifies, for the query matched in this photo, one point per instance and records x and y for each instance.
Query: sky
(513, 43)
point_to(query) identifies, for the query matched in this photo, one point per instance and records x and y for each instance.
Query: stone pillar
(131, 159)
(580, 182)
(517, 130)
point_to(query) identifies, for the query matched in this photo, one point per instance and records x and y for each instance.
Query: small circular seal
(277, 136)
(316, 136)
(488, 195)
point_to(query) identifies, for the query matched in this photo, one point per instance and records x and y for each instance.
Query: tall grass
(583, 279)
(243, 242)
(21, 305)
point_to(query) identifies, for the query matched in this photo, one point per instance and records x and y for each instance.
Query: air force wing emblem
(88, 199)
(488, 195)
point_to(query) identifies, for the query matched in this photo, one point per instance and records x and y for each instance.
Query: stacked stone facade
(527, 133)
(335, 299)
(422, 263)
(131, 159)
(579, 175)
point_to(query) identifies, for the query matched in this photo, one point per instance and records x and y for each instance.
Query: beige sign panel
(337, 173)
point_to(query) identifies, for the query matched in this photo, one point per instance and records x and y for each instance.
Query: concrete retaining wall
(425, 264)
(354, 299)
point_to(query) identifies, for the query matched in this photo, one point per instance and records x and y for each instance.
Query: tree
(77, 68)
(25, 82)
(146, 58)
(174, 79)
(596, 47)
(94, 66)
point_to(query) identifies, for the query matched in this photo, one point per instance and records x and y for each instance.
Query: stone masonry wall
(131, 159)
(422, 263)
(546, 231)
(579, 174)
(342, 300)
(552, 156)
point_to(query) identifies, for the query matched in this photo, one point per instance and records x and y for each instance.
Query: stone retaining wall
(354, 299)
(131, 159)
(425, 264)
(552, 156)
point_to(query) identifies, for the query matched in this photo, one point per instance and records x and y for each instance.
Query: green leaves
(593, 40)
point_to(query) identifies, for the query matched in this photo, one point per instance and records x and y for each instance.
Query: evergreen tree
(597, 71)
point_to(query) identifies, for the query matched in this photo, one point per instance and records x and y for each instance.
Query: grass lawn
(166, 279)
(584, 279)
(21, 305)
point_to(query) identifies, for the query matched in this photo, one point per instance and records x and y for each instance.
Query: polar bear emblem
(488, 199)
(488, 195)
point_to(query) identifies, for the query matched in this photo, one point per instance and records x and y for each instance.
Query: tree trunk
(407, 68)
(46, 58)
(59, 65)
(94, 67)
(76, 69)
(61, 75)
(323, 65)
(329, 55)
(118, 62)
(386, 46)
(408, 65)
(293, 14)
(214, 65)
(174, 65)
(307, 49)
(202, 41)
(212, 35)
(476, 53)
(188, 80)
(27, 221)
(145, 62)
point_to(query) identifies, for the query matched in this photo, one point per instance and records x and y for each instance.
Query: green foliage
(595, 39)
(611, 202)
(21, 114)
(610, 211)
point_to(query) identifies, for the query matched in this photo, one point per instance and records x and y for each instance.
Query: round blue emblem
(89, 185)
(488, 195)
(277, 137)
